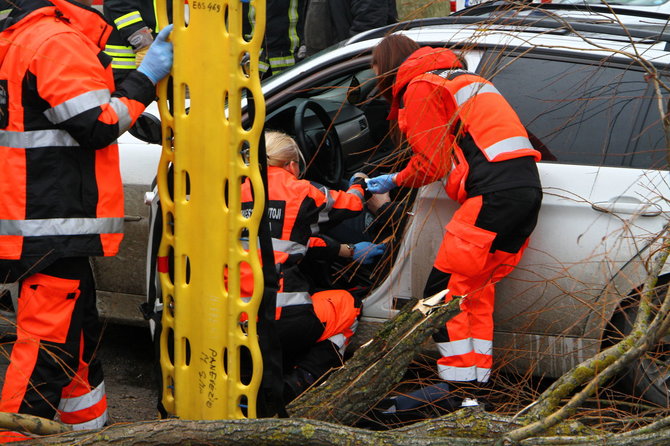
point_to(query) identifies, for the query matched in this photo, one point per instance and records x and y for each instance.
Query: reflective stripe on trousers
(458, 357)
(471, 373)
(464, 346)
(87, 411)
(285, 299)
(341, 340)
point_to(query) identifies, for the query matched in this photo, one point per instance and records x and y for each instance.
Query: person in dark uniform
(134, 29)
(330, 21)
(283, 38)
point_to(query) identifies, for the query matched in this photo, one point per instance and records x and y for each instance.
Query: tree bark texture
(649, 327)
(31, 424)
(462, 428)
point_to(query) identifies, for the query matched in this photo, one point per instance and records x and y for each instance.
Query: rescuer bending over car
(62, 197)
(313, 327)
(460, 127)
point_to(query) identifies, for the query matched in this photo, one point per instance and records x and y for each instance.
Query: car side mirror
(147, 128)
(354, 92)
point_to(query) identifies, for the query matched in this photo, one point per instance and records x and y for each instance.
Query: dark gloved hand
(296, 382)
(141, 38)
(382, 183)
(360, 176)
(158, 60)
(366, 252)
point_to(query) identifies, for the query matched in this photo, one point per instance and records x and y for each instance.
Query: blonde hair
(281, 149)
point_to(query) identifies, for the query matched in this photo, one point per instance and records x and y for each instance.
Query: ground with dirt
(130, 376)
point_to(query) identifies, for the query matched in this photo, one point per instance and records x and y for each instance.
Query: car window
(582, 112)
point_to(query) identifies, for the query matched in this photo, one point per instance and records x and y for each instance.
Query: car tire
(648, 377)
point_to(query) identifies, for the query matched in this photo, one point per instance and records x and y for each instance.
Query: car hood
(421, 61)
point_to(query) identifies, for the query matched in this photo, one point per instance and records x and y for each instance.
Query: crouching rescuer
(313, 328)
(62, 196)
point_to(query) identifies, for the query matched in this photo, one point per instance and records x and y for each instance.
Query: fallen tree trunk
(31, 424)
(265, 431)
(377, 366)
(467, 427)
(350, 392)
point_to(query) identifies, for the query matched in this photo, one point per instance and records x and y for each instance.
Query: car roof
(662, 6)
(573, 31)
(584, 26)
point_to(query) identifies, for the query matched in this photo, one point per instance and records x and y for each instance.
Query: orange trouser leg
(17, 377)
(42, 356)
(314, 337)
(465, 265)
(57, 333)
(83, 405)
(466, 344)
(480, 309)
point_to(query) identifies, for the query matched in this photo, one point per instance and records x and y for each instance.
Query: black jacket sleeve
(322, 247)
(116, 9)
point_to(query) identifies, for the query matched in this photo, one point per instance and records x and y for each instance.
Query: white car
(590, 108)
(592, 113)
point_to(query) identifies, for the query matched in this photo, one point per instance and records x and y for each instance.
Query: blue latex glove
(158, 61)
(366, 252)
(381, 184)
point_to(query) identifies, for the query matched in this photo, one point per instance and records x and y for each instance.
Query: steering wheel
(321, 148)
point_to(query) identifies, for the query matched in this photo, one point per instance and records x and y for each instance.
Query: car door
(602, 183)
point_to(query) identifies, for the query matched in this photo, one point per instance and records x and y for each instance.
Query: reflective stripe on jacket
(446, 114)
(61, 185)
(296, 210)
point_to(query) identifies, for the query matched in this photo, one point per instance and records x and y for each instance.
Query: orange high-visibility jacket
(459, 125)
(297, 209)
(60, 115)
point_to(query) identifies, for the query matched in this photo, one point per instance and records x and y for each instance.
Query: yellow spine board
(202, 221)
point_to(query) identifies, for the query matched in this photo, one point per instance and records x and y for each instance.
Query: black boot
(438, 396)
(426, 402)
(296, 382)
